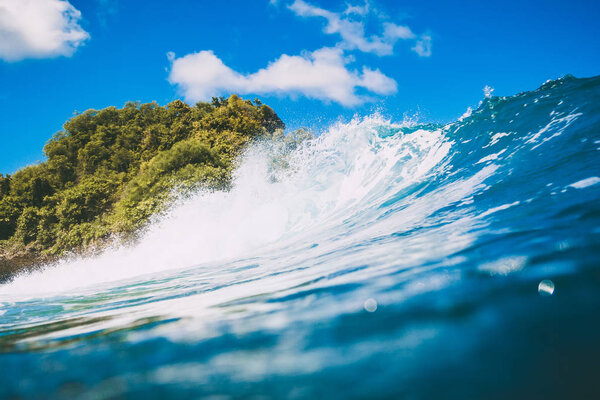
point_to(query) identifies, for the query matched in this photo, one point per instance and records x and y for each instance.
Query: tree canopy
(109, 170)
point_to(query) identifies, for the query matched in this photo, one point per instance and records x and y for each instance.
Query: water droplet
(370, 305)
(546, 287)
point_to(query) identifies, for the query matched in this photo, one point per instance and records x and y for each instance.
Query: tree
(108, 171)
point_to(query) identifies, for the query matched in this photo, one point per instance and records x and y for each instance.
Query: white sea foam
(491, 157)
(556, 125)
(582, 184)
(499, 208)
(504, 266)
(338, 180)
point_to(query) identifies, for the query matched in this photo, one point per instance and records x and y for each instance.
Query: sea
(381, 259)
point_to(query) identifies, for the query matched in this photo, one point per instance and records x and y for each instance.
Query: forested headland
(108, 171)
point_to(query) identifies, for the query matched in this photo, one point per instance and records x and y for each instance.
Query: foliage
(108, 171)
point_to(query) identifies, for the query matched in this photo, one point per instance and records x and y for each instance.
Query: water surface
(385, 261)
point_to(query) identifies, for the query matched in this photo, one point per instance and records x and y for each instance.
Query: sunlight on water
(385, 255)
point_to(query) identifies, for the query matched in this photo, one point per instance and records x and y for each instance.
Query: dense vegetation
(108, 171)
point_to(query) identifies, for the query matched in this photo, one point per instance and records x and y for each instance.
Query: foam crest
(343, 175)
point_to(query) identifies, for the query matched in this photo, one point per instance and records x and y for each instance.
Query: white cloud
(39, 29)
(352, 30)
(423, 46)
(393, 31)
(358, 10)
(322, 74)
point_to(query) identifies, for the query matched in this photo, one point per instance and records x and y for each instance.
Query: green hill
(109, 170)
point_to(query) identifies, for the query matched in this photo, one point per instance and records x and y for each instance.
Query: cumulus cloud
(322, 74)
(352, 29)
(39, 29)
(325, 74)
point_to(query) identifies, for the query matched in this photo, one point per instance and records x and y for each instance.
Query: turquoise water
(385, 261)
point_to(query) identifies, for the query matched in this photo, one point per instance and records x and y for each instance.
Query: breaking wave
(386, 255)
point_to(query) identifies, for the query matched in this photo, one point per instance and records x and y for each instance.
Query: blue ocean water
(379, 260)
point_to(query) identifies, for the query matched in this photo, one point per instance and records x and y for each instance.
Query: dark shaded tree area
(109, 170)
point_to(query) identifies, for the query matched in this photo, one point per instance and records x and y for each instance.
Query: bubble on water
(546, 287)
(370, 305)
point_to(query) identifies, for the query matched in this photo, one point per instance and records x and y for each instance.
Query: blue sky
(313, 61)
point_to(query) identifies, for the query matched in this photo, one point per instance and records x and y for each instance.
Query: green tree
(108, 171)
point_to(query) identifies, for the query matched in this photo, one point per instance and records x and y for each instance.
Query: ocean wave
(440, 232)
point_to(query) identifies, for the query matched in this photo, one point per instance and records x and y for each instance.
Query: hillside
(109, 170)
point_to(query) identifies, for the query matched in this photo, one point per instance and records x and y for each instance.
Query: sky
(314, 62)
